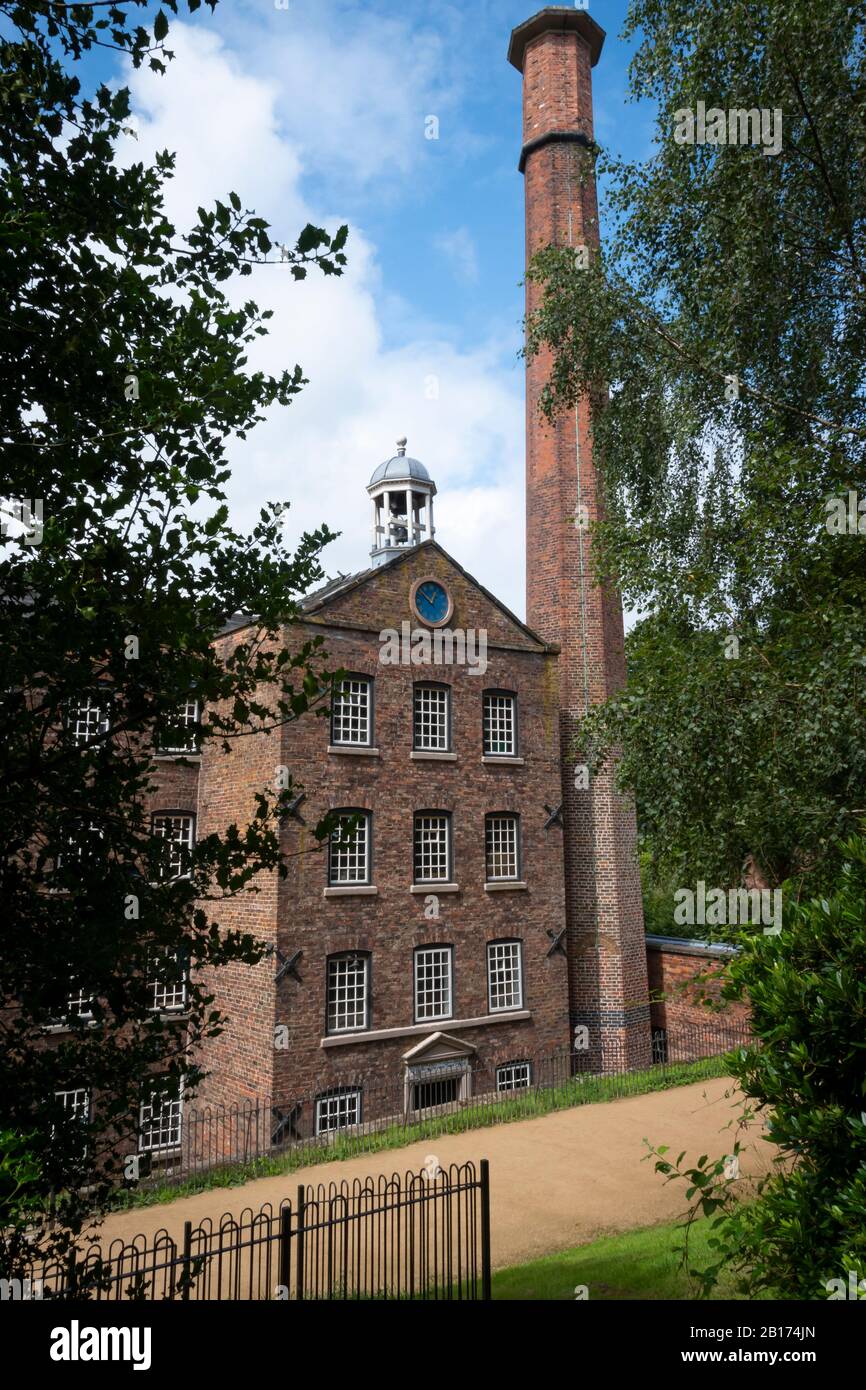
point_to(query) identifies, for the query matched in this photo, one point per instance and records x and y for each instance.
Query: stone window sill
(431, 755)
(505, 885)
(416, 1029)
(352, 890)
(356, 750)
(501, 760)
(435, 888)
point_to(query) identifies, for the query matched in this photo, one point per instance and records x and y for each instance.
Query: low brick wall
(681, 974)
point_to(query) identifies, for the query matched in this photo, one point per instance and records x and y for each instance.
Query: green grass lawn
(642, 1265)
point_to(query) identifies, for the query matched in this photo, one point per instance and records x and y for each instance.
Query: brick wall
(392, 786)
(566, 603)
(681, 974)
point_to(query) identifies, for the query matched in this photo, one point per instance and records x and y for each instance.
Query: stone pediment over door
(439, 1047)
(437, 1072)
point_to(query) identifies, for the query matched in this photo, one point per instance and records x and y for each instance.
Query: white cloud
(459, 248)
(461, 408)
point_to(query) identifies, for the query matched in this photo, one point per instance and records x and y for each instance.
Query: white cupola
(401, 490)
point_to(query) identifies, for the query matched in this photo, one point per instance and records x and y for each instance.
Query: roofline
(400, 559)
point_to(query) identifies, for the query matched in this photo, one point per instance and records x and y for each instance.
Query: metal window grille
(180, 833)
(431, 718)
(168, 983)
(350, 713)
(433, 982)
(349, 860)
(347, 993)
(504, 975)
(337, 1110)
(160, 1122)
(502, 856)
(180, 735)
(500, 725)
(432, 849)
(87, 719)
(513, 1076)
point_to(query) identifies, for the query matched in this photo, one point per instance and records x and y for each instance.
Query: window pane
(502, 861)
(179, 831)
(161, 1118)
(350, 716)
(87, 718)
(347, 993)
(179, 736)
(349, 860)
(168, 983)
(76, 1104)
(337, 1111)
(431, 718)
(433, 982)
(512, 1076)
(500, 725)
(504, 975)
(431, 849)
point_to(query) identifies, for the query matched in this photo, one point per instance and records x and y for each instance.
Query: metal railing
(412, 1236)
(389, 1113)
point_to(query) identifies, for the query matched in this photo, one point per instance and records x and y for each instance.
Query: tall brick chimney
(555, 51)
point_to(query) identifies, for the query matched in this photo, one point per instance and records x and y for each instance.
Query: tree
(123, 380)
(802, 1236)
(727, 314)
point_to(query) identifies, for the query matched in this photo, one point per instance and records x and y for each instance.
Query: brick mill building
(480, 908)
(487, 901)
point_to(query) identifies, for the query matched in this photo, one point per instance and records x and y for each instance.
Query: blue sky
(318, 112)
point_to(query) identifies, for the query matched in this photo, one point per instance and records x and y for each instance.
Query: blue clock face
(431, 602)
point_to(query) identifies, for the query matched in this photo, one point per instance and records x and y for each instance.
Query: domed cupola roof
(400, 469)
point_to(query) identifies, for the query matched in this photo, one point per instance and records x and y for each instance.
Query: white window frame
(494, 838)
(431, 718)
(341, 977)
(499, 712)
(171, 1126)
(504, 961)
(508, 1079)
(173, 1000)
(433, 980)
(80, 710)
(421, 851)
(168, 819)
(350, 864)
(77, 1104)
(187, 715)
(79, 1005)
(79, 845)
(336, 1105)
(352, 713)
(78, 1109)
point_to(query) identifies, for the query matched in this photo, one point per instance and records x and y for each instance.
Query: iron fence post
(299, 1293)
(187, 1260)
(286, 1248)
(485, 1231)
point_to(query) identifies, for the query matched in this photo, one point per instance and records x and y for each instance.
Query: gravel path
(557, 1181)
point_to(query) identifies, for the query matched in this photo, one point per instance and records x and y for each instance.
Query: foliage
(727, 313)
(124, 381)
(805, 1077)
